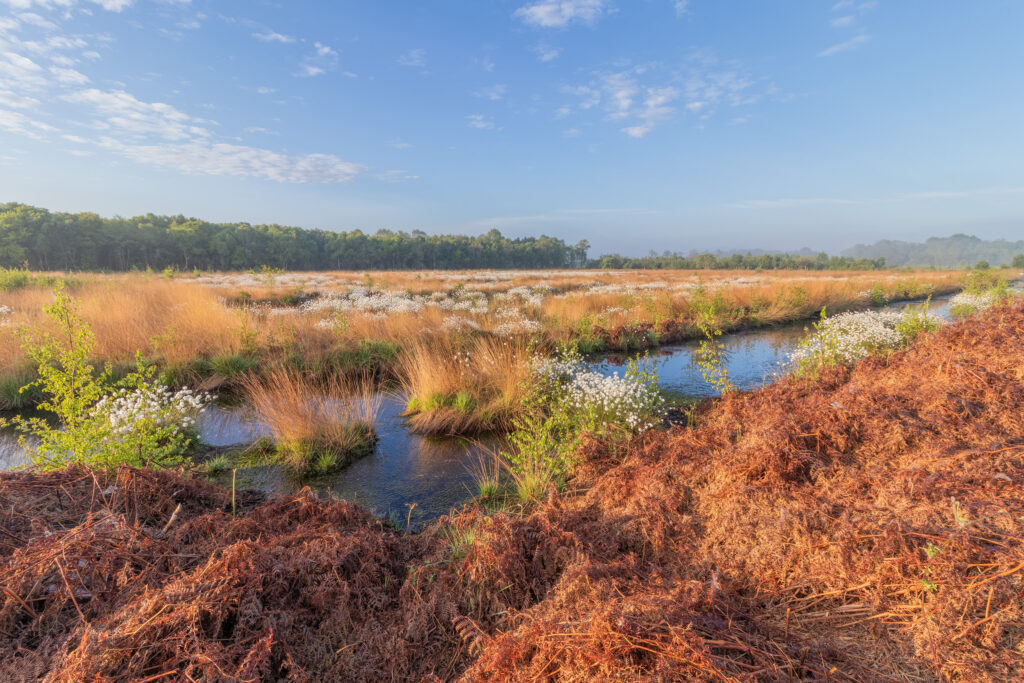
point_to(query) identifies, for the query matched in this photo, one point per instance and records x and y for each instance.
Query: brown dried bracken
(865, 526)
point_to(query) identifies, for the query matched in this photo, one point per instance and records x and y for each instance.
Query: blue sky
(640, 124)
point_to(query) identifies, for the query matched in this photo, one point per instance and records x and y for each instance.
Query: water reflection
(753, 357)
(431, 476)
(404, 468)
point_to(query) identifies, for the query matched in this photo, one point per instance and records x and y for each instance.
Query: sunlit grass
(316, 426)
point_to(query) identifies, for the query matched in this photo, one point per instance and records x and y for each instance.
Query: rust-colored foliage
(868, 525)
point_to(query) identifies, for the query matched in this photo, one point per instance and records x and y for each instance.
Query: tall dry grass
(175, 321)
(317, 425)
(179, 321)
(458, 392)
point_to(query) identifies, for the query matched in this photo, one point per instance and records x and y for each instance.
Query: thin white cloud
(843, 21)
(16, 122)
(273, 37)
(323, 59)
(655, 109)
(480, 122)
(123, 112)
(546, 53)
(13, 99)
(492, 93)
(641, 97)
(396, 176)
(109, 5)
(324, 50)
(237, 160)
(34, 19)
(18, 71)
(561, 13)
(416, 58)
(114, 5)
(681, 6)
(68, 76)
(845, 46)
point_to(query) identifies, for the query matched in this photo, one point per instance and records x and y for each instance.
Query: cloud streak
(198, 157)
(561, 13)
(845, 46)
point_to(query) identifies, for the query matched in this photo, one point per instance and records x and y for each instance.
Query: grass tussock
(317, 425)
(472, 391)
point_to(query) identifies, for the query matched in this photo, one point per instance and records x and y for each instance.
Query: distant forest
(749, 261)
(45, 240)
(943, 252)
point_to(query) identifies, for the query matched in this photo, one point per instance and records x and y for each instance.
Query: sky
(635, 124)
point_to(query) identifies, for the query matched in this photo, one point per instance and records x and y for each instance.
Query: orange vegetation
(868, 525)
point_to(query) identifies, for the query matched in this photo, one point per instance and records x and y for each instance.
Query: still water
(410, 477)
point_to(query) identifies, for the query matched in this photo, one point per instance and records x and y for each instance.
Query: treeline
(955, 251)
(45, 240)
(748, 261)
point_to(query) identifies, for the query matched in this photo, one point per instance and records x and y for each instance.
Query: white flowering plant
(100, 422)
(983, 290)
(968, 303)
(565, 401)
(848, 337)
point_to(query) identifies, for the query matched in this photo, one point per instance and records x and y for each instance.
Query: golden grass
(176, 322)
(172, 320)
(316, 425)
(458, 392)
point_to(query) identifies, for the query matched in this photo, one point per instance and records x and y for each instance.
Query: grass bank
(456, 342)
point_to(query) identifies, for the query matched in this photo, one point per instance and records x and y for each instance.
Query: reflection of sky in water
(403, 469)
(435, 473)
(11, 453)
(753, 357)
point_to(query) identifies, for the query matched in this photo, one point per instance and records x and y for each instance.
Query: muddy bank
(865, 526)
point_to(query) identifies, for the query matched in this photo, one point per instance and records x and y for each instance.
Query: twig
(174, 516)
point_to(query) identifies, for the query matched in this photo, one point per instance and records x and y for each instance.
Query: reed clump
(454, 392)
(317, 425)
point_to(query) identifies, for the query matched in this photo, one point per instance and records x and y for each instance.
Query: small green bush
(99, 421)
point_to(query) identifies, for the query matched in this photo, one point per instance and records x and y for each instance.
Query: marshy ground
(866, 523)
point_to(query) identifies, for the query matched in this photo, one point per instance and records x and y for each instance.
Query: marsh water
(415, 479)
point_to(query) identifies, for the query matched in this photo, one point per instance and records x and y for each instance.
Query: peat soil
(867, 525)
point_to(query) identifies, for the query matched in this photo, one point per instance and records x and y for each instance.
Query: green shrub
(99, 421)
(564, 402)
(218, 464)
